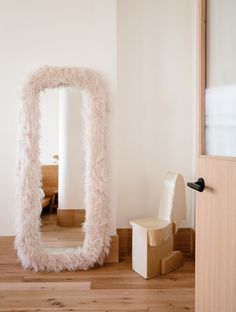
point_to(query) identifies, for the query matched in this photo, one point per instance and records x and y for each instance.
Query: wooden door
(216, 205)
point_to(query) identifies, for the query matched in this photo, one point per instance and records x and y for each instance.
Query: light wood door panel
(216, 237)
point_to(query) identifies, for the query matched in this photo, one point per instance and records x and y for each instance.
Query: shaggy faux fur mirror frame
(97, 239)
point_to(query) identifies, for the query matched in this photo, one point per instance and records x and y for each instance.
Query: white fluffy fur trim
(97, 240)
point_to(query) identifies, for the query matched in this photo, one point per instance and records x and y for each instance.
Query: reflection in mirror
(62, 168)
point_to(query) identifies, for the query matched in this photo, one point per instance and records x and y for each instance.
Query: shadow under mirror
(62, 168)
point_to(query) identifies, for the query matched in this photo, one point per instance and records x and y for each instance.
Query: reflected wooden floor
(54, 236)
(110, 288)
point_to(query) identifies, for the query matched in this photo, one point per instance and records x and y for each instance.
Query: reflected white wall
(49, 138)
(71, 153)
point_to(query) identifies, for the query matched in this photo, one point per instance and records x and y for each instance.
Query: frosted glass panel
(220, 121)
(220, 97)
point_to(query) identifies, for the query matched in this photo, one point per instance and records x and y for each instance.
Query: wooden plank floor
(113, 287)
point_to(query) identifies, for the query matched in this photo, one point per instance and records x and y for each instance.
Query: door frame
(201, 74)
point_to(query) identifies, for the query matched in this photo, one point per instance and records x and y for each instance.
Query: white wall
(142, 47)
(47, 32)
(155, 102)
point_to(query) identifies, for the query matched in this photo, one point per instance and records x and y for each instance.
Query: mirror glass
(62, 168)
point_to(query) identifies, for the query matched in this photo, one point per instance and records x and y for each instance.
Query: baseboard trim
(121, 244)
(70, 217)
(7, 246)
(125, 241)
(113, 255)
(184, 241)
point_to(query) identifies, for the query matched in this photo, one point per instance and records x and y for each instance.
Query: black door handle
(198, 186)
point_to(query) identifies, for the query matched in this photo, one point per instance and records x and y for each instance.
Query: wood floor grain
(113, 287)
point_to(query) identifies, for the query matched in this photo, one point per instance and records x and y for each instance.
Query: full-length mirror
(62, 171)
(62, 166)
